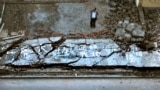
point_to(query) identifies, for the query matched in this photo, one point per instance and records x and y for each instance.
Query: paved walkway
(80, 84)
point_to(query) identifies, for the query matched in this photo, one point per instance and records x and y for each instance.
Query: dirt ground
(67, 18)
(62, 17)
(72, 18)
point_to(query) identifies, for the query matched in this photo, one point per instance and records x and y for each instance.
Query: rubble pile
(121, 10)
(124, 21)
(130, 32)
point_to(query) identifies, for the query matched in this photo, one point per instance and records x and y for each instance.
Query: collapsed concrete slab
(80, 52)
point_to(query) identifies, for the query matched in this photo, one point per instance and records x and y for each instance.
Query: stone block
(138, 32)
(120, 31)
(3, 34)
(130, 27)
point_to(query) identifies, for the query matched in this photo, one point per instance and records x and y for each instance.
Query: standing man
(94, 14)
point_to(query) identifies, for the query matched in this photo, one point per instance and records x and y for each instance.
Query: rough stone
(3, 34)
(125, 23)
(14, 33)
(127, 35)
(130, 27)
(138, 26)
(120, 23)
(120, 31)
(36, 42)
(138, 32)
(137, 39)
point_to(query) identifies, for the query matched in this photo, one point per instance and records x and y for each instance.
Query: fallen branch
(12, 46)
(55, 45)
(17, 56)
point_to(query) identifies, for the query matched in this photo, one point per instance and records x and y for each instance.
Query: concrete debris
(9, 40)
(11, 46)
(127, 35)
(130, 27)
(41, 41)
(120, 32)
(3, 33)
(125, 23)
(138, 33)
(129, 31)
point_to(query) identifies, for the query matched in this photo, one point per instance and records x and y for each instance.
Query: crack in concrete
(73, 61)
(37, 54)
(16, 44)
(104, 57)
